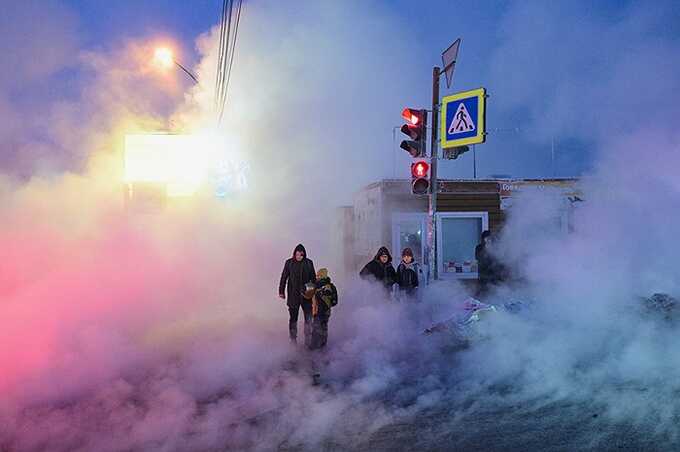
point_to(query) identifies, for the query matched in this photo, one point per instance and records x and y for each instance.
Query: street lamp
(164, 58)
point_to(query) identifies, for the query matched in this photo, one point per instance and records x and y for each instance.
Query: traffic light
(420, 177)
(415, 128)
(454, 153)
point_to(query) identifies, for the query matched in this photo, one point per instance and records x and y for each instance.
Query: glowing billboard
(183, 163)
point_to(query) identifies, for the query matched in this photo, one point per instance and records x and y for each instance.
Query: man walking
(297, 271)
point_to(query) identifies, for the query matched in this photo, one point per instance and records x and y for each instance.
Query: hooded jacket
(377, 271)
(407, 276)
(295, 275)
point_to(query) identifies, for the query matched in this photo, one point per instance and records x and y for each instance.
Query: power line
(229, 23)
(231, 58)
(220, 55)
(226, 24)
(220, 59)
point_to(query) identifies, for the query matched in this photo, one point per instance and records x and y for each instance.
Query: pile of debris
(462, 328)
(472, 310)
(462, 325)
(660, 303)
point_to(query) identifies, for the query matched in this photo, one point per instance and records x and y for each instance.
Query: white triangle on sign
(462, 121)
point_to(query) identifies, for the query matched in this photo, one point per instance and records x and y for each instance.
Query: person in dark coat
(407, 275)
(325, 297)
(489, 268)
(380, 269)
(298, 271)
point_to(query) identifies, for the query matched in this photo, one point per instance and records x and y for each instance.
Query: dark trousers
(293, 320)
(320, 329)
(484, 286)
(409, 295)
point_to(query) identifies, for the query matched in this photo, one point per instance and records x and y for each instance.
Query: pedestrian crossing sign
(463, 118)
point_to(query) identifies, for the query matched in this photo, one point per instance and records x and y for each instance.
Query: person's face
(408, 259)
(383, 258)
(298, 256)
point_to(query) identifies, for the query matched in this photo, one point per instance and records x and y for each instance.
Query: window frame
(484, 216)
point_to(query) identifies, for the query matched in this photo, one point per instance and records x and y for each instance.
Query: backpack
(328, 294)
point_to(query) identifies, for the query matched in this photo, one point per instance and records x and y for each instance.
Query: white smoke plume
(164, 332)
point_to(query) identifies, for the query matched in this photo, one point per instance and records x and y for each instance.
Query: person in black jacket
(298, 271)
(490, 269)
(380, 269)
(407, 275)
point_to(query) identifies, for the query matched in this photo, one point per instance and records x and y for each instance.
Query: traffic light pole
(432, 210)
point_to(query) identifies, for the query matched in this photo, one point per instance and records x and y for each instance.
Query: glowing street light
(164, 58)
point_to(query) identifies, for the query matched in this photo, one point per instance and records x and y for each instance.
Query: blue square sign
(463, 118)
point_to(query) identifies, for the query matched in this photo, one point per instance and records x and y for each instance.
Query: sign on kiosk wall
(463, 118)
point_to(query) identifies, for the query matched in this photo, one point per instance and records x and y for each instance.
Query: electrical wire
(229, 24)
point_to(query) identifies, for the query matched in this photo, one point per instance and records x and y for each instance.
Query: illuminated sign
(185, 164)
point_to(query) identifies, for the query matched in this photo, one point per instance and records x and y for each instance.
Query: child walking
(325, 297)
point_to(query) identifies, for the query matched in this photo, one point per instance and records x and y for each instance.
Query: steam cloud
(163, 332)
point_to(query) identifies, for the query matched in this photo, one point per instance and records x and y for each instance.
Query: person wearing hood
(380, 269)
(325, 297)
(407, 275)
(297, 271)
(490, 269)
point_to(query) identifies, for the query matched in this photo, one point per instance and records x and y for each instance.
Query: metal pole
(432, 223)
(552, 155)
(474, 162)
(394, 152)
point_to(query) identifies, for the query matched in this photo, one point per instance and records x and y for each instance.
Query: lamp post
(164, 57)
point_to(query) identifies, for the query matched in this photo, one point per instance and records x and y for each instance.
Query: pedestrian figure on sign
(407, 276)
(462, 119)
(297, 271)
(325, 297)
(380, 270)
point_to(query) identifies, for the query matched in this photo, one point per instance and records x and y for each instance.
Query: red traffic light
(420, 177)
(420, 169)
(415, 127)
(413, 116)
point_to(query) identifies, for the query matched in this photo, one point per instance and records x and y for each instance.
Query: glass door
(409, 231)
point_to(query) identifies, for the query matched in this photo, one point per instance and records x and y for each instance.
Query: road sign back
(463, 118)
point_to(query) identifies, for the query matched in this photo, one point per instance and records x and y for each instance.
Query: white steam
(163, 332)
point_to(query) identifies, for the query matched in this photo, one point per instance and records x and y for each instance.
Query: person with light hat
(325, 297)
